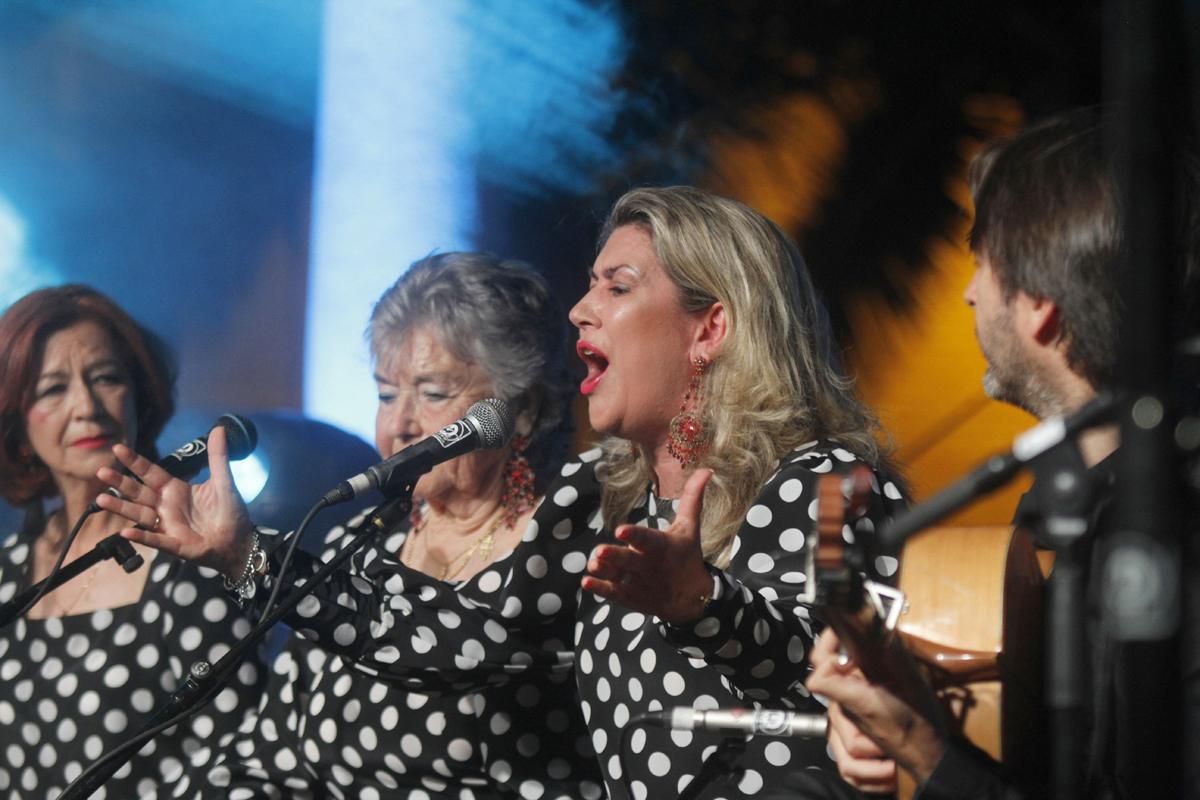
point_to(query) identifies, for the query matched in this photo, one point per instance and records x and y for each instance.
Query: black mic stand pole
(204, 680)
(1151, 89)
(1065, 499)
(113, 547)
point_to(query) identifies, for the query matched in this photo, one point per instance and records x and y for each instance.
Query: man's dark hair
(1048, 221)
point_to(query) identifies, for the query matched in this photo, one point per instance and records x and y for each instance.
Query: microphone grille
(495, 422)
(240, 435)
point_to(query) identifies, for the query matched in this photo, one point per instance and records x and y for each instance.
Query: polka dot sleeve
(757, 630)
(426, 634)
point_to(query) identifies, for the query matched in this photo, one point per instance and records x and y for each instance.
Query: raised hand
(657, 572)
(207, 523)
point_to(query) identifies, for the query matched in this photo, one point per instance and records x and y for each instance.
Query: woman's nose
(582, 315)
(402, 421)
(84, 402)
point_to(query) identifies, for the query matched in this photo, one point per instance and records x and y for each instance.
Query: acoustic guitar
(968, 607)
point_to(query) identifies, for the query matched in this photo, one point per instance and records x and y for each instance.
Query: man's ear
(710, 335)
(1040, 319)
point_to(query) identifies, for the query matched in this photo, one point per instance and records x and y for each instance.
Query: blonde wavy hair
(776, 381)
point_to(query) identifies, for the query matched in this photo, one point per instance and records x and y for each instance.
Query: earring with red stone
(688, 440)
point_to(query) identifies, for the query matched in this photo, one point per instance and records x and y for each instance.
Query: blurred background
(246, 177)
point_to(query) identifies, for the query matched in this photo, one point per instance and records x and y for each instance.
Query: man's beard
(1020, 387)
(1011, 376)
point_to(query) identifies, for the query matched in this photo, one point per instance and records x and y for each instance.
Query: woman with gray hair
(456, 328)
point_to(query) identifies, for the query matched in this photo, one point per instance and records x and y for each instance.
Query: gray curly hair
(499, 314)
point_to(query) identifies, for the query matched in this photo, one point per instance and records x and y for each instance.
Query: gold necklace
(66, 612)
(483, 544)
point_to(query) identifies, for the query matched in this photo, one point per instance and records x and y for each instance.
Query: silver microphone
(742, 721)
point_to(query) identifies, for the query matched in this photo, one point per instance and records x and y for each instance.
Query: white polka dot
(549, 604)
(792, 540)
(489, 581)
(124, 634)
(344, 634)
(459, 749)
(635, 689)
(185, 593)
(574, 563)
(309, 607)
(886, 565)
(147, 656)
(673, 683)
(285, 760)
(410, 745)
(116, 676)
(67, 730)
(631, 622)
(759, 516)
(761, 563)
(89, 703)
(751, 782)
(777, 754)
(190, 638)
(115, 721)
(599, 739)
(449, 619)
(790, 490)
(659, 764)
(891, 491)
(95, 660)
(536, 566)
(566, 496)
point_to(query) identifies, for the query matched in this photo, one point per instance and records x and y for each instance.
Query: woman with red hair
(94, 657)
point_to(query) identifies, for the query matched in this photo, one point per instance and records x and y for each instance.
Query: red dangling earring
(518, 496)
(688, 441)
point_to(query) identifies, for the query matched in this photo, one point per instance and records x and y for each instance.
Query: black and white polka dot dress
(324, 729)
(74, 688)
(750, 648)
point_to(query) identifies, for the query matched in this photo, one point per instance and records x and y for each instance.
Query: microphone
(186, 461)
(997, 470)
(741, 721)
(488, 425)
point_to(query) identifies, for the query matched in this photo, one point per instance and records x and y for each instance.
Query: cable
(48, 582)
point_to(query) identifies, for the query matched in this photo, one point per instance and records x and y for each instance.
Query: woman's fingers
(136, 513)
(159, 541)
(146, 470)
(127, 486)
(218, 459)
(691, 501)
(643, 540)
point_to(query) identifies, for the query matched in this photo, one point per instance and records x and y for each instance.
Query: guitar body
(974, 620)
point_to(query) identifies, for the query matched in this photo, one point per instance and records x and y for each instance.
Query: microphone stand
(1066, 499)
(113, 547)
(204, 680)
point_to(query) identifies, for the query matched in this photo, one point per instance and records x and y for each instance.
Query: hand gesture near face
(657, 572)
(206, 523)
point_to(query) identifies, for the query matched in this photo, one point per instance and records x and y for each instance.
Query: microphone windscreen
(240, 435)
(495, 421)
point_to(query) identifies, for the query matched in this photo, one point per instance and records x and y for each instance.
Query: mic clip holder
(112, 546)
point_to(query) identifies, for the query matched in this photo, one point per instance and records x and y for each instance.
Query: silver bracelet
(256, 564)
